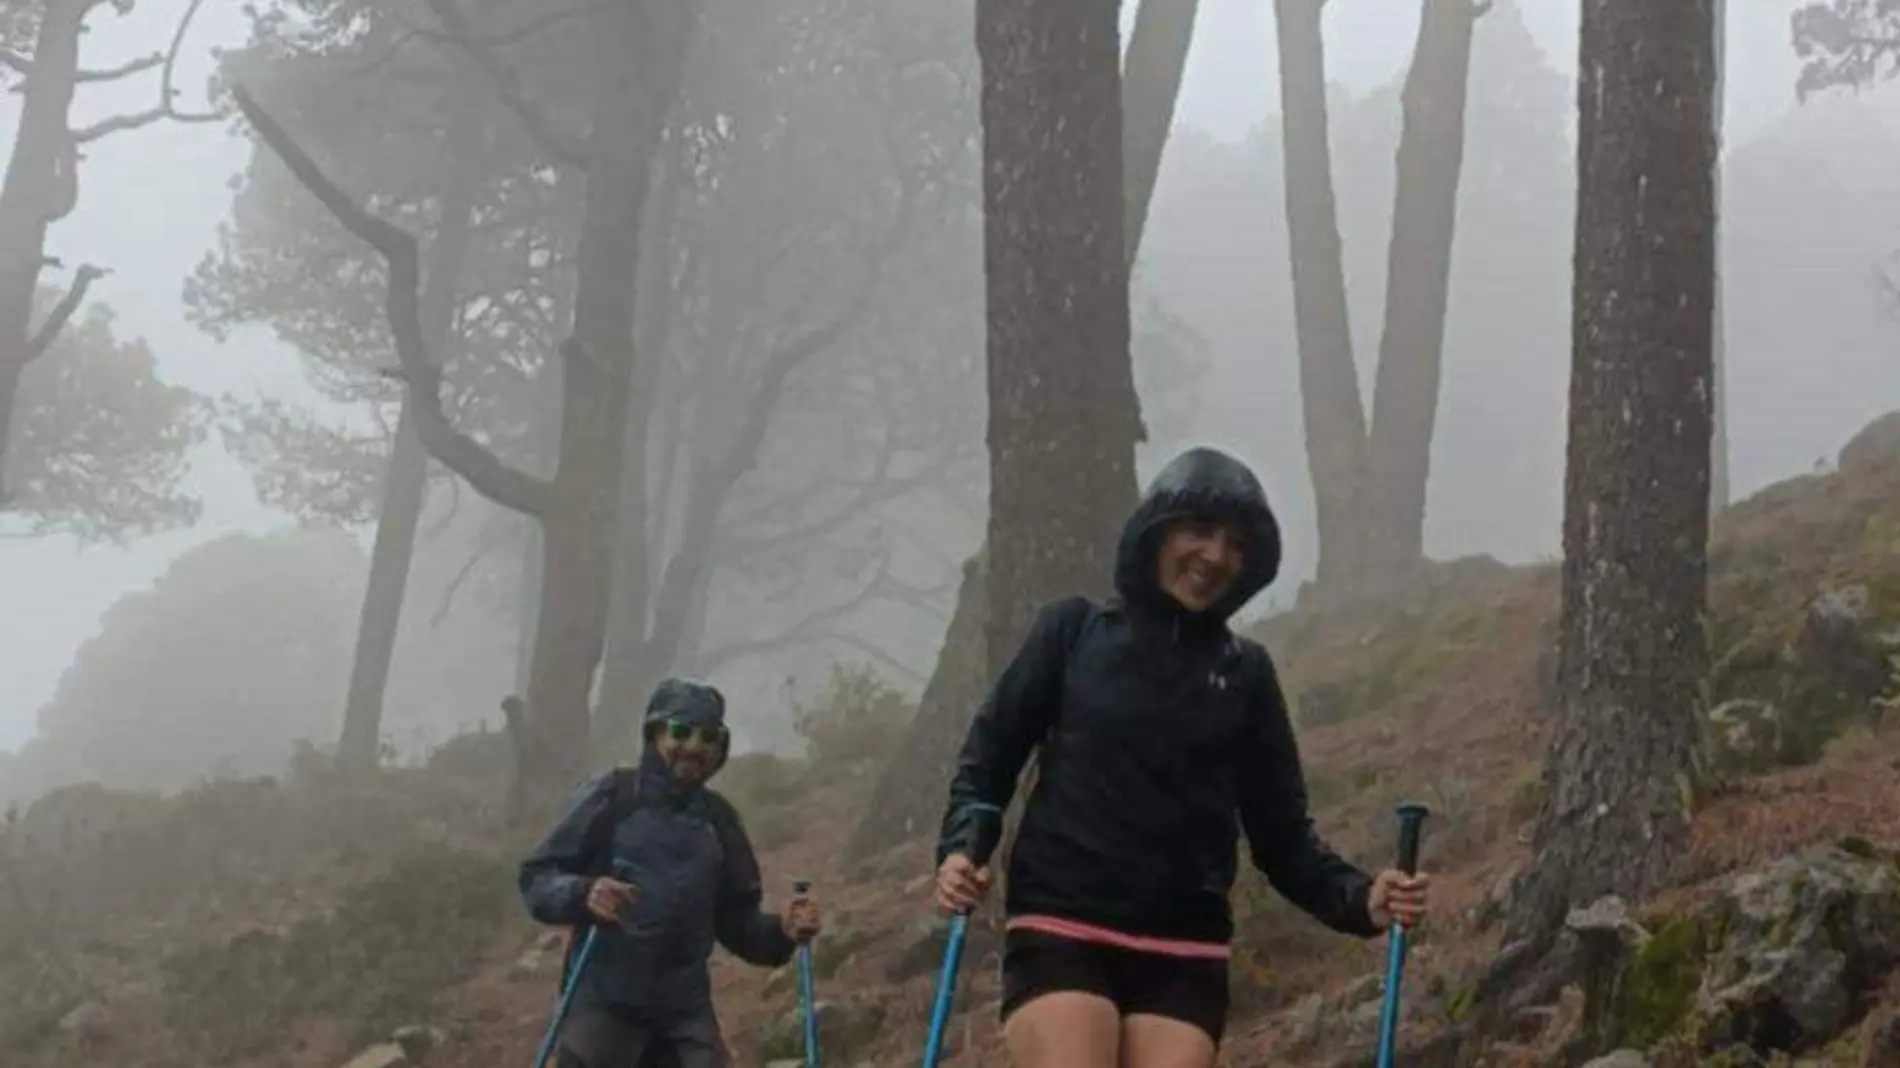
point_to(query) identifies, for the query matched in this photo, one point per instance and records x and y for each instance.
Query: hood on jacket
(686, 701)
(1201, 483)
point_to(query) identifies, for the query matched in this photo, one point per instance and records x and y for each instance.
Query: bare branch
(818, 628)
(562, 146)
(485, 471)
(123, 70)
(18, 63)
(62, 312)
(166, 108)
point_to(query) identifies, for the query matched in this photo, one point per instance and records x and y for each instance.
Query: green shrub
(858, 718)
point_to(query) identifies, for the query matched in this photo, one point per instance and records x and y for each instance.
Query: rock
(1835, 670)
(1880, 1042)
(1878, 442)
(1745, 737)
(1622, 1058)
(1804, 944)
(384, 1055)
(88, 1023)
(1307, 1021)
(844, 1028)
(418, 1041)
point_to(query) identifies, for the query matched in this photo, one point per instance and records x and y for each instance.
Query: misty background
(1807, 214)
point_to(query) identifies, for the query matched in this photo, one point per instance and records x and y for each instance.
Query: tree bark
(1064, 419)
(1330, 406)
(1719, 491)
(957, 683)
(1153, 68)
(1619, 772)
(405, 490)
(40, 188)
(638, 63)
(1417, 289)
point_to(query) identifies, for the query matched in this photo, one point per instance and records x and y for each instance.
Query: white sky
(151, 203)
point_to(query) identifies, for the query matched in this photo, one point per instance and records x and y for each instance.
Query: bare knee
(1064, 1029)
(1162, 1042)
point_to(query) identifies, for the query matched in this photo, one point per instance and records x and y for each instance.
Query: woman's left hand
(1399, 898)
(802, 920)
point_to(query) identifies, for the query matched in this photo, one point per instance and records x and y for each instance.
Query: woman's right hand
(961, 885)
(609, 900)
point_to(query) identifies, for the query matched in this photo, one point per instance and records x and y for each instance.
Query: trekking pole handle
(801, 889)
(1411, 827)
(987, 822)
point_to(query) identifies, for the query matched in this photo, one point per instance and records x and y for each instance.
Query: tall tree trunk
(1417, 288)
(1719, 490)
(528, 611)
(40, 188)
(1155, 64)
(640, 528)
(1619, 770)
(1063, 416)
(405, 488)
(1330, 406)
(962, 671)
(638, 63)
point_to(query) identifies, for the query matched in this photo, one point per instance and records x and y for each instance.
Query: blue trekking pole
(572, 983)
(807, 1008)
(988, 821)
(1411, 824)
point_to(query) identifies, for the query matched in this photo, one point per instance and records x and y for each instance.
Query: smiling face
(1199, 561)
(691, 752)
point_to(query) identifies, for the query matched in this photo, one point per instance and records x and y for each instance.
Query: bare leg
(1164, 1042)
(1064, 1029)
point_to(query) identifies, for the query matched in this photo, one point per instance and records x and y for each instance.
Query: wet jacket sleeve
(1285, 845)
(1011, 723)
(553, 880)
(741, 925)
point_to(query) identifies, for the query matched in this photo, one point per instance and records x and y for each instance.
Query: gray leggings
(596, 1038)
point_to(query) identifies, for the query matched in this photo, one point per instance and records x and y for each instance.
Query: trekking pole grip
(986, 824)
(1411, 827)
(801, 889)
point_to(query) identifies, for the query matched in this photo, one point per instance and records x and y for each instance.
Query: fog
(850, 502)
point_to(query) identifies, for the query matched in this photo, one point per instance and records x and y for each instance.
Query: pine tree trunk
(1155, 64)
(405, 490)
(1619, 771)
(1330, 407)
(1063, 420)
(1418, 289)
(637, 71)
(963, 669)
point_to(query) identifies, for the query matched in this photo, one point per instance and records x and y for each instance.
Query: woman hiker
(662, 865)
(1163, 736)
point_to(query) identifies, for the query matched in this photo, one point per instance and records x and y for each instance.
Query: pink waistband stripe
(1103, 936)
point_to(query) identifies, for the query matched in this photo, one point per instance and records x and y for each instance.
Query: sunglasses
(711, 734)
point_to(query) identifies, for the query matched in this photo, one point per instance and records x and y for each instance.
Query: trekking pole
(576, 966)
(988, 820)
(1411, 824)
(807, 1008)
(574, 970)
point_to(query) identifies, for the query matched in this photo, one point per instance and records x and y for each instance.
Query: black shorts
(1192, 990)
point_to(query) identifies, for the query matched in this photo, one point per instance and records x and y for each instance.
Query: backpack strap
(623, 797)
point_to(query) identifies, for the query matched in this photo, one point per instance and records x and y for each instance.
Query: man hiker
(662, 865)
(1164, 737)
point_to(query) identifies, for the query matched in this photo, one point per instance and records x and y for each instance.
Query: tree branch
(18, 63)
(166, 108)
(62, 312)
(123, 70)
(562, 146)
(485, 471)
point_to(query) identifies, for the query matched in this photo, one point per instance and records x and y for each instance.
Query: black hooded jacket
(1162, 737)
